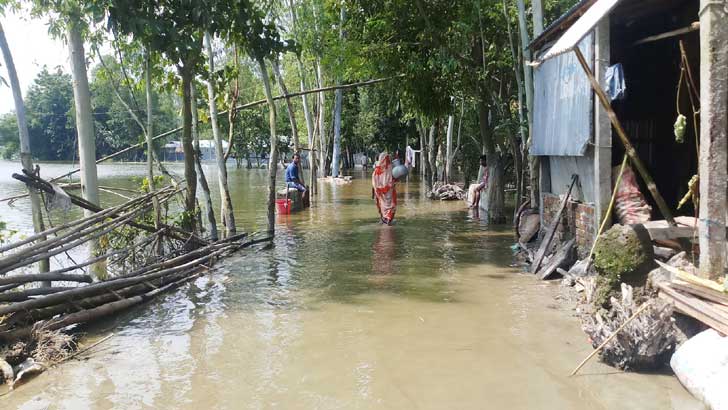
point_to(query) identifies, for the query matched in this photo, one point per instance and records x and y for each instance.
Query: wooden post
(638, 164)
(713, 123)
(602, 129)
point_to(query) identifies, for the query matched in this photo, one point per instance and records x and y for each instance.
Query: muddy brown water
(343, 313)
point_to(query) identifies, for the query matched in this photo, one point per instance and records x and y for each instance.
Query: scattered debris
(342, 180)
(549, 236)
(446, 192)
(661, 274)
(26, 369)
(582, 268)
(640, 341)
(565, 256)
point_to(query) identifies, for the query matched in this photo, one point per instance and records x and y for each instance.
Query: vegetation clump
(622, 254)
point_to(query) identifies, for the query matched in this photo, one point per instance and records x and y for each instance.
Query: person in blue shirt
(293, 178)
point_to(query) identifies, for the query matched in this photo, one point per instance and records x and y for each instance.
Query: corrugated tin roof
(558, 25)
(580, 28)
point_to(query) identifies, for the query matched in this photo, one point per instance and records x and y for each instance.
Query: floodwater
(344, 313)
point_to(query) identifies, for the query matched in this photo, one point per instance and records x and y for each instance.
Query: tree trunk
(537, 10)
(338, 97)
(26, 157)
(323, 145)
(520, 155)
(289, 104)
(150, 143)
(423, 136)
(273, 158)
(493, 200)
(226, 209)
(189, 150)
(528, 82)
(302, 76)
(448, 149)
(233, 113)
(84, 128)
(432, 154)
(209, 209)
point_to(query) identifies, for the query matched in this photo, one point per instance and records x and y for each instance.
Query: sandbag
(630, 205)
(701, 365)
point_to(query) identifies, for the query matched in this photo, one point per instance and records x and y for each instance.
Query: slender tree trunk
(209, 209)
(289, 104)
(273, 158)
(518, 154)
(537, 9)
(26, 157)
(306, 111)
(448, 149)
(424, 156)
(528, 82)
(338, 97)
(150, 143)
(187, 147)
(432, 153)
(323, 143)
(226, 208)
(302, 76)
(534, 162)
(85, 129)
(232, 112)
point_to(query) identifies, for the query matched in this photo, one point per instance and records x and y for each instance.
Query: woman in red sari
(384, 190)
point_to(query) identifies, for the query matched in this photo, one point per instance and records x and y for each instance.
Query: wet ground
(344, 313)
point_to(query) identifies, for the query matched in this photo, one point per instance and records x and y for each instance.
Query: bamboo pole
(101, 287)
(107, 294)
(238, 108)
(23, 258)
(26, 294)
(638, 164)
(170, 231)
(612, 336)
(75, 223)
(98, 312)
(608, 214)
(77, 231)
(41, 277)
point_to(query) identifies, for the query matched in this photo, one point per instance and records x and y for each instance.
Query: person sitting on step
(293, 174)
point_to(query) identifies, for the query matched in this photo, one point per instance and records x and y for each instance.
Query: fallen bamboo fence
(74, 296)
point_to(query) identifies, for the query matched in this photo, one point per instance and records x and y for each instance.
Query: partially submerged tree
(26, 157)
(226, 208)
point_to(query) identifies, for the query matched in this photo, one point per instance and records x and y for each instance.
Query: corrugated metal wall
(563, 104)
(561, 170)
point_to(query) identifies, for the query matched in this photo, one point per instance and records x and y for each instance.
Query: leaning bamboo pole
(77, 224)
(636, 161)
(78, 305)
(238, 108)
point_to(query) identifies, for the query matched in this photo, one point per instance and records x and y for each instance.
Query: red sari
(384, 190)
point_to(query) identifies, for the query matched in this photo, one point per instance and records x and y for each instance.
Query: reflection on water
(383, 250)
(344, 313)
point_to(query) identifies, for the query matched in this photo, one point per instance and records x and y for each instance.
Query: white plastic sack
(701, 365)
